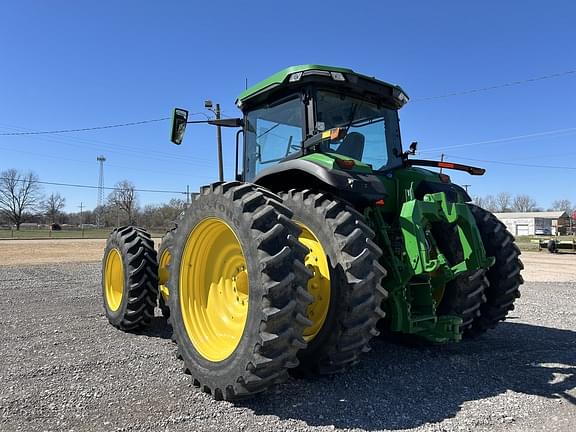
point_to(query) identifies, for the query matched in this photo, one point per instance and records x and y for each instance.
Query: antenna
(100, 199)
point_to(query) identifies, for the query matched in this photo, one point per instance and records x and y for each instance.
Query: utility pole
(441, 160)
(100, 200)
(208, 104)
(82, 218)
(466, 187)
(219, 138)
(187, 195)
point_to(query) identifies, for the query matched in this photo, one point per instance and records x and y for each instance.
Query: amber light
(446, 165)
(345, 163)
(336, 133)
(380, 202)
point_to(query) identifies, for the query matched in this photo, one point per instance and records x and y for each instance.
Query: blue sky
(70, 64)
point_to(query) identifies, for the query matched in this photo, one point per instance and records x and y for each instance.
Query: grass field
(64, 234)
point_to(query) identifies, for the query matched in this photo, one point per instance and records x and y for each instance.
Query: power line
(85, 129)
(500, 140)
(514, 164)
(498, 86)
(103, 146)
(90, 186)
(95, 127)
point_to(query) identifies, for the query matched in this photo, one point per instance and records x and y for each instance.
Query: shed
(531, 223)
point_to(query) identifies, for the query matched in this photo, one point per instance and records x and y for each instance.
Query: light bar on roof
(336, 76)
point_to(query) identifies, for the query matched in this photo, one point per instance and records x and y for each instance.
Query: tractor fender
(454, 192)
(356, 188)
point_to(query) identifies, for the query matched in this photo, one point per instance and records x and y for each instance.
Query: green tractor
(329, 235)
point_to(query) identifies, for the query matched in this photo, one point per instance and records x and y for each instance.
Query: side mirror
(179, 120)
(413, 147)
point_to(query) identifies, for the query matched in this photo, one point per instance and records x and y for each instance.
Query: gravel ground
(63, 367)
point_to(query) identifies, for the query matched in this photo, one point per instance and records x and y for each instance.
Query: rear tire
(355, 274)
(238, 227)
(504, 276)
(129, 278)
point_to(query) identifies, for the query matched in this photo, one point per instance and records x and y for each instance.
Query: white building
(531, 223)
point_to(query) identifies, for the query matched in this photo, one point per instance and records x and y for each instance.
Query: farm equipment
(330, 234)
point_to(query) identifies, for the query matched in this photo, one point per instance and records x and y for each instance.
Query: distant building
(532, 223)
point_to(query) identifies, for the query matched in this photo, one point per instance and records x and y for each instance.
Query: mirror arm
(230, 122)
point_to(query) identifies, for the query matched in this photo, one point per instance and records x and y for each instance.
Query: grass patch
(34, 234)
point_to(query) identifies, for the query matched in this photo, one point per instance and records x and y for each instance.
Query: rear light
(380, 202)
(345, 163)
(444, 178)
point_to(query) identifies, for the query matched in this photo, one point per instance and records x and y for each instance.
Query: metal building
(534, 223)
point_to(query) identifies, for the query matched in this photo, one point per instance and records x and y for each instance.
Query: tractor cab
(312, 109)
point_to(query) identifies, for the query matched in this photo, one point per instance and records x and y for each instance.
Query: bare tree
(52, 206)
(524, 203)
(124, 198)
(478, 200)
(563, 205)
(490, 203)
(504, 201)
(19, 193)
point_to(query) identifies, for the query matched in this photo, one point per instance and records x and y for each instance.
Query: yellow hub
(214, 289)
(114, 279)
(319, 284)
(163, 275)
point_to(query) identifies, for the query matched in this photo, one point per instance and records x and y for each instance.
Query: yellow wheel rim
(214, 289)
(163, 274)
(114, 279)
(319, 284)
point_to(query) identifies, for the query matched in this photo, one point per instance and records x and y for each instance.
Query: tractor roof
(296, 75)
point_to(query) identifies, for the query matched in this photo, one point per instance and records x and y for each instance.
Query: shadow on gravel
(159, 328)
(399, 387)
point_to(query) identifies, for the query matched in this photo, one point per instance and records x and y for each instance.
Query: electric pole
(441, 160)
(82, 218)
(208, 104)
(465, 186)
(100, 200)
(219, 138)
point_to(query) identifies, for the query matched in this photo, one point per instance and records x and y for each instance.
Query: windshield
(372, 131)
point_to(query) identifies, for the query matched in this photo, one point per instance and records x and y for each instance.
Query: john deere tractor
(330, 234)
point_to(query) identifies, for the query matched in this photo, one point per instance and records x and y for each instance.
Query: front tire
(237, 288)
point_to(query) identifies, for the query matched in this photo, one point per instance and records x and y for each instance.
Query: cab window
(272, 133)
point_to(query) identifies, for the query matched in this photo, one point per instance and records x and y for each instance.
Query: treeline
(22, 201)
(505, 202)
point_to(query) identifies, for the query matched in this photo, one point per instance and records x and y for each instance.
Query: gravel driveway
(63, 367)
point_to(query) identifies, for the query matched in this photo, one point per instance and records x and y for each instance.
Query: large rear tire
(504, 276)
(345, 283)
(129, 278)
(237, 289)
